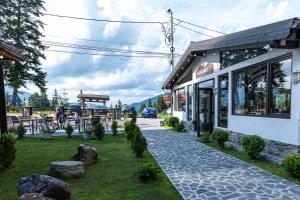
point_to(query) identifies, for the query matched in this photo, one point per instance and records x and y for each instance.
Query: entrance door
(205, 110)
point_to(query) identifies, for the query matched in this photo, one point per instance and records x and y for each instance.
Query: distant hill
(138, 104)
(22, 94)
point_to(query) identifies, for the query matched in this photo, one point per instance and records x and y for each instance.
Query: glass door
(205, 110)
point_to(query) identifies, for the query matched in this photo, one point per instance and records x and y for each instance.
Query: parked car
(149, 113)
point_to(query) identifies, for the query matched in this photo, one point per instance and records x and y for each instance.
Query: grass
(112, 177)
(261, 163)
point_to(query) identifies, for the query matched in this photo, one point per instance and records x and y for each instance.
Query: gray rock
(66, 169)
(86, 154)
(33, 196)
(45, 185)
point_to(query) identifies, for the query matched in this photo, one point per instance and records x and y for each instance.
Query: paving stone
(199, 171)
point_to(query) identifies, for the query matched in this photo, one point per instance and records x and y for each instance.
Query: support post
(3, 123)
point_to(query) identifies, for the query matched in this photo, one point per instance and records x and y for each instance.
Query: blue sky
(134, 79)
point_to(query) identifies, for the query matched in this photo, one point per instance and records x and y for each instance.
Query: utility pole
(172, 49)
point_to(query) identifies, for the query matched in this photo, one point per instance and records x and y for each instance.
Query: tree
(55, 99)
(37, 100)
(161, 106)
(119, 104)
(149, 103)
(142, 107)
(154, 105)
(21, 27)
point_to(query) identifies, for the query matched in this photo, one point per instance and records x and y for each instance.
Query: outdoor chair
(14, 121)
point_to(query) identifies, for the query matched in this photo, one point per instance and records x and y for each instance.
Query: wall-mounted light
(13, 62)
(295, 77)
(1, 57)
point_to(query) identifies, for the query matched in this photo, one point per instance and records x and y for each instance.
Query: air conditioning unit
(295, 77)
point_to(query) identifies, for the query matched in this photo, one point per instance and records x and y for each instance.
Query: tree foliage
(161, 106)
(38, 100)
(21, 27)
(149, 103)
(142, 107)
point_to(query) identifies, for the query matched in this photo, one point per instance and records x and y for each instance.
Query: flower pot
(87, 135)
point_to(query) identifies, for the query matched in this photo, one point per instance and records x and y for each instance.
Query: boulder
(66, 169)
(33, 196)
(45, 185)
(86, 154)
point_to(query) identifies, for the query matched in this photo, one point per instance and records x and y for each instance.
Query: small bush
(167, 120)
(130, 130)
(114, 128)
(179, 127)
(220, 137)
(253, 145)
(205, 138)
(148, 172)
(139, 143)
(173, 121)
(292, 165)
(69, 130)
(7, 151)
(99, 131)
(20, 130)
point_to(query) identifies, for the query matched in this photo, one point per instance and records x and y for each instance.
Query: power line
(100, 54)
(95, 48)
(200, 26)
(194, 31)
(103, 20)
(108, 42)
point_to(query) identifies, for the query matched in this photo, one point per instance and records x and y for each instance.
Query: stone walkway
(201, 172)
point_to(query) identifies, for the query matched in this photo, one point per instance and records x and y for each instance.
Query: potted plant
(87, 133)
(13, 132)
(69, 130)
(47, 133)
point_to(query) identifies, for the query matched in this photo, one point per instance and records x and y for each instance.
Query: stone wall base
(274, 151)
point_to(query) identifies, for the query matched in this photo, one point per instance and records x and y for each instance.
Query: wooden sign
(167, 99)
(205, 69)
(181, 99)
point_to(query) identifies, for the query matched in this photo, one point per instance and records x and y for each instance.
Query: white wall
(283, 130)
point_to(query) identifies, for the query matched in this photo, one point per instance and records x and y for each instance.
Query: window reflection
(190, 98)
(223, 101)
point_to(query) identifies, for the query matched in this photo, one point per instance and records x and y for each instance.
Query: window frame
(268, 63)
(219, 99)
(189, 104)
(177, 99)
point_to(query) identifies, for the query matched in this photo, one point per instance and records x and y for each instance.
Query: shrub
(173, 121)
(167, 120)
(148, 172)
(99, 131)
(114, 127)
(69, 130)
(253, 145)
(130, 130)
(292, 165)
(220, 137)
(205, 138)
(20, 130)
(7, 151)
(139, 143)
(179, 127)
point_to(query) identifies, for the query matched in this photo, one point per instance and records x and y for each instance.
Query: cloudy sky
(133, 79)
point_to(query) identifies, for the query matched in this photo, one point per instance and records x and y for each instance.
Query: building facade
(246, 82)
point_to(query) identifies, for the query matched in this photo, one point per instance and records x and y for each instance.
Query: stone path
(201, 172)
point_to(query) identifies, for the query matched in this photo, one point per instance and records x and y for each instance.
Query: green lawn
(263, 164)
(111, 178)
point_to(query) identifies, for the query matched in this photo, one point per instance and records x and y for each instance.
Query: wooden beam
(3, 123)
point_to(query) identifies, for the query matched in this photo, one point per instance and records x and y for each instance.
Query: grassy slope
(263, 164)
(111, 178)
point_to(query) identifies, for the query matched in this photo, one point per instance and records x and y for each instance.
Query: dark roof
(93, 96)
(11, 52)
(258, 36)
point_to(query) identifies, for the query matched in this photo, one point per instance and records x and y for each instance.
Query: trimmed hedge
(292, 165)
(114, 128)
(139, 143)
(99, 131)
(7, 151)
(253, 145)
(173, 121)
(205, 138)
(220, 137)
(148, 172)
(179, 127)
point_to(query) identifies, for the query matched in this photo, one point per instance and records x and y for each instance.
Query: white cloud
(277, 10)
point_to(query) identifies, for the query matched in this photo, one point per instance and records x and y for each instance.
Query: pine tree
(20, 26)
(142, 107)
(149, 103)
(119, 103)
(55, 99)
(161, 106)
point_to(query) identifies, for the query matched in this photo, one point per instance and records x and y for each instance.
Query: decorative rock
(67, 169)
(86, 154)
(44, 185)
(33, 196)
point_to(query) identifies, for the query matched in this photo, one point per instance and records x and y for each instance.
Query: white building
(245, 83)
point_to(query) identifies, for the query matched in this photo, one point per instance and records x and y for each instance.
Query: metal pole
(3, 123)
(172, 49)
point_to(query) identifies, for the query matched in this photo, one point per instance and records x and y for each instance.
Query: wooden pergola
(10, 53)
(92, 98)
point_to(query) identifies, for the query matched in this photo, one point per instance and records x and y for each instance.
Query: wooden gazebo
(83, 98)
(7, 52)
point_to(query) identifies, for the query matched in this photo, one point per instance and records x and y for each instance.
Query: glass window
(229, 58)
(223, 101)
(250, 90)
(181, 99)
(281, 87)
(190, 99)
